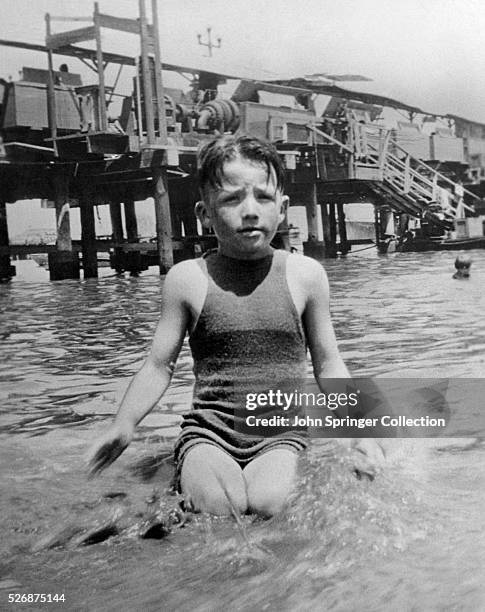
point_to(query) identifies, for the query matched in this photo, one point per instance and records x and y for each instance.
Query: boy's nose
(250, 207)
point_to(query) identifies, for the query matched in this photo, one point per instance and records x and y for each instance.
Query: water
(410, 540)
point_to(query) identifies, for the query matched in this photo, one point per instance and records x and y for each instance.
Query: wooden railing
(375, 155)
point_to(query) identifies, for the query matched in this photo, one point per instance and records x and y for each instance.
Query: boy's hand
(368, 457)
(108, 448)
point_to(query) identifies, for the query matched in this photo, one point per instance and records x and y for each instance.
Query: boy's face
(245, 211)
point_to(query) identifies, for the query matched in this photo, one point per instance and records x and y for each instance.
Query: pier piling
(6, 269)
(117, 235)
(163, 218)
(88, 238)
(133, 260)
(63, 263)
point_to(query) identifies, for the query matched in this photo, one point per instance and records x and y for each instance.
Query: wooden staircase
(402, 181)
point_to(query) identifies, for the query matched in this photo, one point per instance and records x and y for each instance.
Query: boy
(250, 312)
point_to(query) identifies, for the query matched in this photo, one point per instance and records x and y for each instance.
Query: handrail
(442, 176)
(417, 176)
(328, 137)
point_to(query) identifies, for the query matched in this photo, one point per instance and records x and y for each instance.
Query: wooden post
(162, 120)
(63, 242)
(330, 247)
(325, 226)
(100, 66)
(88, 238)
(407, 174)
(332, 225)
(51, 94)
(133, 260)
(311, 215)
(130, 221)
(351, 143)
(163, 218)
(377, 223)
(342, 229)
(117, 233)
(6, 270)
(63, 263)
(146, 77)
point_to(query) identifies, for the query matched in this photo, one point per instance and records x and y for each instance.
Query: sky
(427, 53)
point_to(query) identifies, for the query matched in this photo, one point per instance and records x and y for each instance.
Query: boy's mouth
(249, 231)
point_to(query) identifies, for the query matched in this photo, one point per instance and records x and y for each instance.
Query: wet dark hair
(214, 154)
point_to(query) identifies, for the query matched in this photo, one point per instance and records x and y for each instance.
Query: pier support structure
(133, 261)
(7, 271)
(88, 237)
(313, 247)
(342, 230)
(330, 246)
(117, 236)
(163, 218)
(64, 262)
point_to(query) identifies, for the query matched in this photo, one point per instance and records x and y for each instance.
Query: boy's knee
(270, 480)
(267, 503)
(215, 501)
(212, 482)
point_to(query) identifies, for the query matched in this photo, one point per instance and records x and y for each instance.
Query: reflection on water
(402, 542)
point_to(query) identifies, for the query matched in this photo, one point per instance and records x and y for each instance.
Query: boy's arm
(151, 381)
(327, 362)
(326, 359)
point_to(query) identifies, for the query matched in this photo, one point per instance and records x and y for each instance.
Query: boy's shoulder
(185, 278)
(308, 270)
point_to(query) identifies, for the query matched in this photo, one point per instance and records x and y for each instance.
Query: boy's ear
(202, 213)
(285, 202)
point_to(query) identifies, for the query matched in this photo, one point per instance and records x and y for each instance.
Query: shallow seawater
(410, 540)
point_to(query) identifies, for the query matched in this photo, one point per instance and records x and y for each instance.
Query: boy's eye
(230, 199)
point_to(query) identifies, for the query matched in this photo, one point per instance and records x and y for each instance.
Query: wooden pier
(60, 144)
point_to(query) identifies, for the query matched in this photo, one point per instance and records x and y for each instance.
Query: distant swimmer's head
(462, 265)
(241, 181)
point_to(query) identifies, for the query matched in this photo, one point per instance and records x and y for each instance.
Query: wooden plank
(132, 26)
(54, 41)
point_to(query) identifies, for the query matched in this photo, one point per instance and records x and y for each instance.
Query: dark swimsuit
(248, 339)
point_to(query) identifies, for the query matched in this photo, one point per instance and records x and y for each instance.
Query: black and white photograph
(242, 297)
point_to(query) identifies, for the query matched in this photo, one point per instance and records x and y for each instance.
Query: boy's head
(241, 183)
(462, 265)
(215, 153)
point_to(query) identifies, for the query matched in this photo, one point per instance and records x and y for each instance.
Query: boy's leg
(270, 478)
(208, 477)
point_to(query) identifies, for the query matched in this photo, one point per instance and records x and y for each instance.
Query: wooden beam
(99, 61)
(54, 41)
(61, 199)
(342, 229)
(163, 219)
(121, 24)
(6, 270)
(311, 207)
(130, 221)
(146, 76)
(88, 237)
(117, 227)
(51, 98)
(162, 120)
